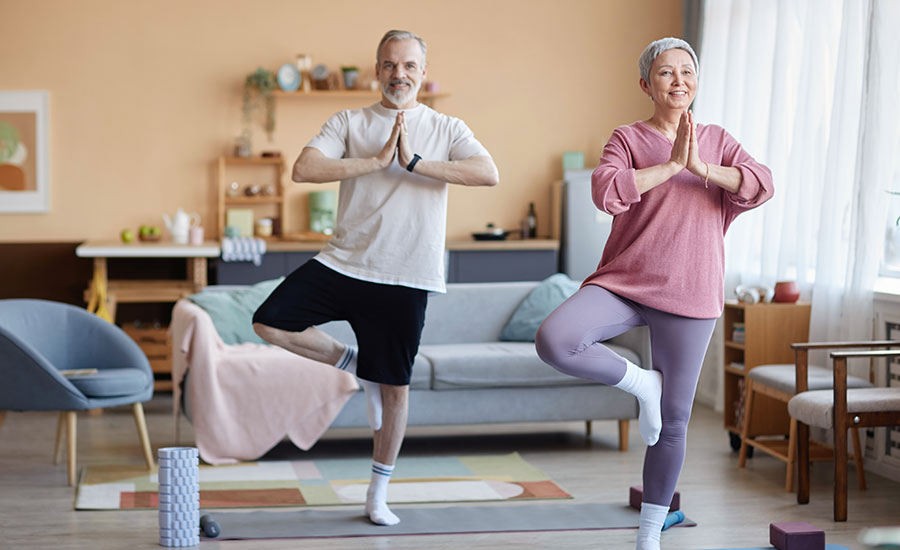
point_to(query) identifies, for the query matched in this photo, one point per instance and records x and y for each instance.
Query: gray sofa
(464, 374)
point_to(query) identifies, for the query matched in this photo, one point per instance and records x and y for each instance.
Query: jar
(264, 227)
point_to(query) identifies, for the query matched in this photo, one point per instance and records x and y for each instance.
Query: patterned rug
(327, 482)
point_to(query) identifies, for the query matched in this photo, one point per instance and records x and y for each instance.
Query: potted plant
(350, 74)
(258, 88)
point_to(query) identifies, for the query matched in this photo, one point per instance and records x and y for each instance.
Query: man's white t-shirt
(392, 224)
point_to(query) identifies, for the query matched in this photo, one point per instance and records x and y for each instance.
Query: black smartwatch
(412, 163)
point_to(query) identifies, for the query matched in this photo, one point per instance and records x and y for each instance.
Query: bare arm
(312, 166)
(479, 170)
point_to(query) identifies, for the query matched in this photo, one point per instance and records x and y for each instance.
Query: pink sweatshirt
(666, 249)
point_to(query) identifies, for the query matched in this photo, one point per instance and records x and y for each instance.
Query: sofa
(465, 374)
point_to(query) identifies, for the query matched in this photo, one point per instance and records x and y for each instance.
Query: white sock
(653, 516)
(646, 385)
(376, 496)
(372, 390)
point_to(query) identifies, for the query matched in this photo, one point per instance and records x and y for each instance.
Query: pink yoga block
(796, 536)
(636, 496)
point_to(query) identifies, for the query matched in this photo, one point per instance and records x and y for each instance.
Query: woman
(673, 188)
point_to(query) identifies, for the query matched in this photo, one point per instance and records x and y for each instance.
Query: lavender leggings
(569, 340)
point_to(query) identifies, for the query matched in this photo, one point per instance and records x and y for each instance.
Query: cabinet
(247, 171)
(153, 341)
(759, 334)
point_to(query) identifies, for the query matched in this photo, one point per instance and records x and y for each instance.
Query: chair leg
(840, 471)
(71, 444)
(2, 418)
(858, 459)
(142, 433)
(60, 435)
(791, 457)
(802, 463)
(587, 428)
(745, 428)
(623, 436)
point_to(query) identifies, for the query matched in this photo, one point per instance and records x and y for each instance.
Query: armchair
(39, 339)
(840, 409)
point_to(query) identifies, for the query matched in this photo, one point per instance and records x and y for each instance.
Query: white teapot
(180, 224)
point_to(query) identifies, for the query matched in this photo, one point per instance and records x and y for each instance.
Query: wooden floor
(732, 507)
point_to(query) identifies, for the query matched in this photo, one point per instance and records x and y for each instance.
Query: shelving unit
(262, 205)
(769, 330)
(424, 97)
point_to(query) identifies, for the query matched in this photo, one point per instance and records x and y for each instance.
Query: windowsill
(887, 289)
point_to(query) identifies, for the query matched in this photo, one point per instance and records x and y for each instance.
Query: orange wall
(145, 94)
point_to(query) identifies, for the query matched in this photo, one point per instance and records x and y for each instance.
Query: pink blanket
(246, 398)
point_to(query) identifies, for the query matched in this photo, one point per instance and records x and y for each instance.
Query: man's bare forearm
(312, 166)
(473, 171)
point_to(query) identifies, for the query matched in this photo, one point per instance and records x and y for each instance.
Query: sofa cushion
(111, 382)
(231, 310)
(540, 302)
(421, 373)
(497, 365)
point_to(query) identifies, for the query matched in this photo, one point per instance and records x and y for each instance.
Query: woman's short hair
(401, 35)
(657, 47)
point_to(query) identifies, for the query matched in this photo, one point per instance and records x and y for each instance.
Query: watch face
(288, 77)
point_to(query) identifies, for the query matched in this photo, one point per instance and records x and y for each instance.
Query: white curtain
(809, 88)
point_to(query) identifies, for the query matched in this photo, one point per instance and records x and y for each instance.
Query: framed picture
(24, 152)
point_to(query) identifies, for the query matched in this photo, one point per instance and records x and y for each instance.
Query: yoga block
(796, 536)
(636, 496)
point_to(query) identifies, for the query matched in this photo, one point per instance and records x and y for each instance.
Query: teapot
(180, 224)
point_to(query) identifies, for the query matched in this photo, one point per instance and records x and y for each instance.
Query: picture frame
(24, 152)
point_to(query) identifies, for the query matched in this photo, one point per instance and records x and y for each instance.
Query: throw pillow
(540, 302)
(232, 311)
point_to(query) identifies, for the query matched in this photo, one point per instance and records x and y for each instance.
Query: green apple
(153, 230)
(144, 230)
(127, 235)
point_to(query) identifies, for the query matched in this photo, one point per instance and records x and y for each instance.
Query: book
(78, 372)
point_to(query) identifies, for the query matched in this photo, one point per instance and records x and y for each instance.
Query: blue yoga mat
(827, 547)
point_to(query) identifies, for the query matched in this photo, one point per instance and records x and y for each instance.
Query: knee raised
(550, 349)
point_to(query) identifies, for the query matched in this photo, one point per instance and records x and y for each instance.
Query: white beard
(399, 99)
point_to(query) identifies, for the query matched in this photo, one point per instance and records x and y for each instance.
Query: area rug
(827, 547)
(312, 523)
(326, 482)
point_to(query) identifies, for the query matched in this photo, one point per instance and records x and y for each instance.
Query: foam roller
(796, 536)
(636, 496)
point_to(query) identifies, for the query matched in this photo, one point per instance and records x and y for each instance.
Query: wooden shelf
(423, 96)
(254, 200)
(732, 370)
(253, 160)
(734, 345)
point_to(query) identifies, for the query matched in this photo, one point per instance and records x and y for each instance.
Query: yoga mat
(313, 523)
(827, 547)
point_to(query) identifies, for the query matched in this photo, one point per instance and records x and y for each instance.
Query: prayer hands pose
(386, 155)
(404, 150)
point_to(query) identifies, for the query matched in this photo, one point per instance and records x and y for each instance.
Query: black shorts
(387, 319)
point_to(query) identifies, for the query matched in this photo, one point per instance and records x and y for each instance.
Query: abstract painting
(24, 154)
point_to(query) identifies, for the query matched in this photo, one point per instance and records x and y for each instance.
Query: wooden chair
(779, 383)
(841, 409)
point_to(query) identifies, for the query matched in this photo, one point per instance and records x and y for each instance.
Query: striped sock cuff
(345, 359)
(382, 469)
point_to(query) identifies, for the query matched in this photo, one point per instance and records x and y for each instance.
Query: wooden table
(154, 343)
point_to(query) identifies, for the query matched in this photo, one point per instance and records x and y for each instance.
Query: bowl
(491, 236)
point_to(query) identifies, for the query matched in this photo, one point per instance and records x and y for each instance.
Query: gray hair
(401, 35)
(657, 47)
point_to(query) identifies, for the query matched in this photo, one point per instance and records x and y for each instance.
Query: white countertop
(139, 249)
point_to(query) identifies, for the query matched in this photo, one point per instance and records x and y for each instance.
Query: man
(394, 160)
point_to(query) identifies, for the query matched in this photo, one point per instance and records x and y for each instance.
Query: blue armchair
(39, 339)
